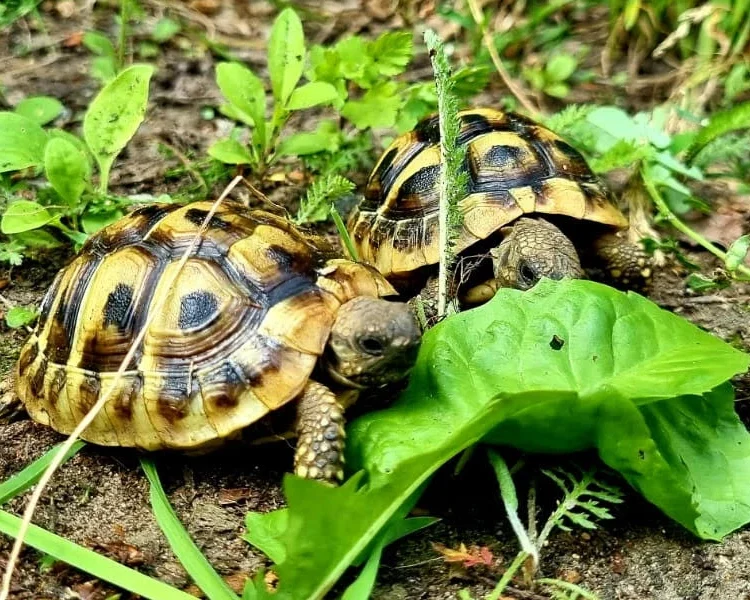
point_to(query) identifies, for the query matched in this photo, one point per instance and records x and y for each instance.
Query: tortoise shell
(233, 334)
(514, 165)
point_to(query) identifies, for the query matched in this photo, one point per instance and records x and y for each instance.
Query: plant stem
(514, 89)
(124, 17)
(452, 174)
(278, 120)
(667, 213)
(510, 502)
(570, 587)
(507, 576)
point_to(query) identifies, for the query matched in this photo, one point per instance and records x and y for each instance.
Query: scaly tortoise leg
(426, 301)
(624, 260)
(11, 407)
(320, 435)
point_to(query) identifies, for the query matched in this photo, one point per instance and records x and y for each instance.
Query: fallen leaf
(468, 557)
(206, 7)
(74, 40)
(122, 552)
(234, 495)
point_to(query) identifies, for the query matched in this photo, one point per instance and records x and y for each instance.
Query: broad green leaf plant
(355, 77)
(564, 367)
(664, 164)
(247, 97)
(72, 204)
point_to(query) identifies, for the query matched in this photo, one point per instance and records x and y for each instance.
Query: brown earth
(100, 497)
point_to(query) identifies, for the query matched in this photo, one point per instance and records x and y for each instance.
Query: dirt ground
(100, 497)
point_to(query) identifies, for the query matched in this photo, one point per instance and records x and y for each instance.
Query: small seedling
(104, 65)
(247, 98)
(553, 78)
(581, 505)
(19, 316)
(109, 59)
(73, 205)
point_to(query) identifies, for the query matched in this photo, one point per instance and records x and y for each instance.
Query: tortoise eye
(372, 345)
(527, 274)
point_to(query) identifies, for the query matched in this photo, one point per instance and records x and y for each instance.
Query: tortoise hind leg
(624, 260)
(320, 433)
(11, 407)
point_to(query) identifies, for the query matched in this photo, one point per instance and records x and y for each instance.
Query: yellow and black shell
(515, 166)
(233, 334)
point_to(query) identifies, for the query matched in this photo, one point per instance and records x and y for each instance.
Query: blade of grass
(89, 561)
(510, 500)
(508, 576)
(344, 234)
(569, 587)
(24, 479)
(197, 566)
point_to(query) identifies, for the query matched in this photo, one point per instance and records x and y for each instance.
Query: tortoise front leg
(320, 435)
(623, 260)
(427, 299)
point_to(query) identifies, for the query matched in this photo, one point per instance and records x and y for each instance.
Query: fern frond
(729, 153)
(720, 123)
(581, 503)
(561, 123)
(324, 191)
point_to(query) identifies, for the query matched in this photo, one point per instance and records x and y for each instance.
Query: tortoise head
(532, 249)
(373, 342)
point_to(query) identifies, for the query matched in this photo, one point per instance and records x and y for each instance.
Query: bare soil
(100, 497)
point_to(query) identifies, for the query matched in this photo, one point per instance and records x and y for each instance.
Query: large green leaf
(40, 109)
(24, 215)
(22, 142)
(566, 366)
(67, 169)
(244, 90)
(286, 54)
(115, 115)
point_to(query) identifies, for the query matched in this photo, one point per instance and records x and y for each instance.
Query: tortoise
(517, 171)
(259, 315)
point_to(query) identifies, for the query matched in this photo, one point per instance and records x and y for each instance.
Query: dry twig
(514, 88)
